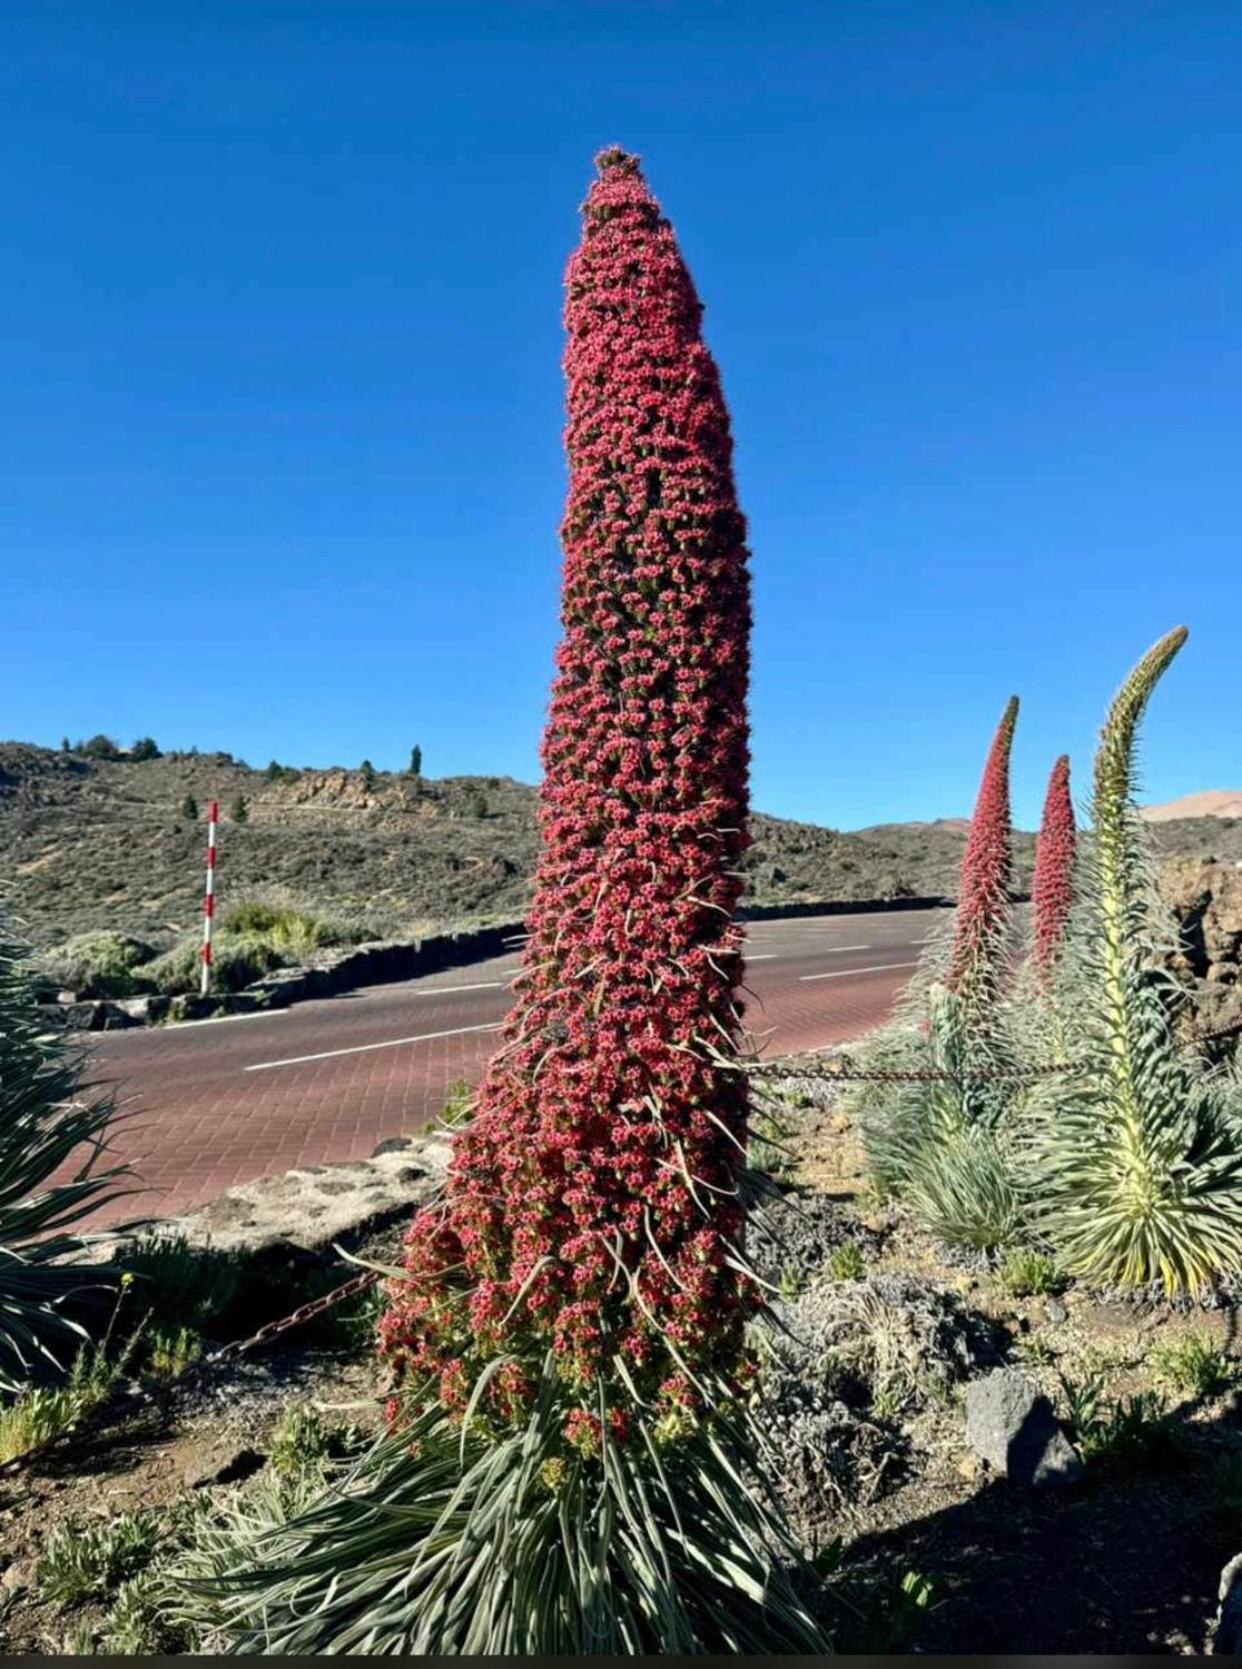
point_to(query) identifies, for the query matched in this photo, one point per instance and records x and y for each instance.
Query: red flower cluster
(1053, 889)
(592, 1202)
(987, 866)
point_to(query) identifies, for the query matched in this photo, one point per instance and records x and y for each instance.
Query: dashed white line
(222, 1019)
(362, 1048)
(447, 990)
(846, 973)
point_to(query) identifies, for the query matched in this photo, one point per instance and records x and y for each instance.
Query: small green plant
(1034, 1351)
(416, 761)
(766, 1150)
(1027, 1274)
(846, 1262)
(189, 809)
(144, 749)
(791, 1283)
(181, 1285)
(299, 1441)
(134, 1628)
(174, 1351)
(239, 811)
(39, 1416)
(1192, 1365)
(1117, 1429)
(458, 1103)
(367, 772)
(83, 1561)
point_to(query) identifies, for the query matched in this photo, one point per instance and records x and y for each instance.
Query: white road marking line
(220, 1019)
(845, 973)
(767, 956)
(446, 990)
(362, 1048)
(838, 950)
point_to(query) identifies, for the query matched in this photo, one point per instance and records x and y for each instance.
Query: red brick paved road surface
(229, 1101)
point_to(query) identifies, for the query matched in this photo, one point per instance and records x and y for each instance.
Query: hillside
(1211, 802)
(105, 844)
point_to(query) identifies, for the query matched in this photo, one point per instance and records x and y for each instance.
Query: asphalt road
(228, 1101)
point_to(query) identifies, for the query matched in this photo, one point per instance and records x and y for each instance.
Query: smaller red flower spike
(983, 893)
(1053, 891)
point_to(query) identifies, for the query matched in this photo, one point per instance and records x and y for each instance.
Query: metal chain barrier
(306, 1312)
(827, 1072)
(149, 1392)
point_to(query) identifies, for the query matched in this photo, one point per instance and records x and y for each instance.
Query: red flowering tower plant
(568, 1469)
(1052, 893)
(592, 1207)
(936, 1134)
(979, 952)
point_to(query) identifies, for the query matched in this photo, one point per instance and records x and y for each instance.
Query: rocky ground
(1082, 1499)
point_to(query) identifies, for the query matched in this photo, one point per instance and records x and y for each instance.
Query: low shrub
(1192, 1365)
(98, 965)
(236, 963)
(181, 1285)
(1028, 1274)
(253, 937)
(38, 1416)
(83, 1561)
(1124, 1430)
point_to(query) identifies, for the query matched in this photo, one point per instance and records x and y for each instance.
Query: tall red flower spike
(987, 869)
(592, 1202)
(1053, 888)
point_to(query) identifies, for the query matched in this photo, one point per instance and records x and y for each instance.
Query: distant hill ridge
(1210, 802)
(100, 843)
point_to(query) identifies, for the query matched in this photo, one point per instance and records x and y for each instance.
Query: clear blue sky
(281, 403)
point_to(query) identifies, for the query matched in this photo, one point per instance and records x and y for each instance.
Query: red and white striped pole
(209, 899)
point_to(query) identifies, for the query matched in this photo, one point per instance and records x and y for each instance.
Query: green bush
(182, 1285)
(85, 1561)
(143, 749)
(235, 964)
(99, 747)
(99, 965)
(1028, 1274)
(1193, 1365)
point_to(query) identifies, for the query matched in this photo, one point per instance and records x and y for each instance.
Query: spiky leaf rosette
(52, 1136)
(979, 948)
(444, 1543)
(940, 1142)
(1052, 893)
(1139, 1156)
